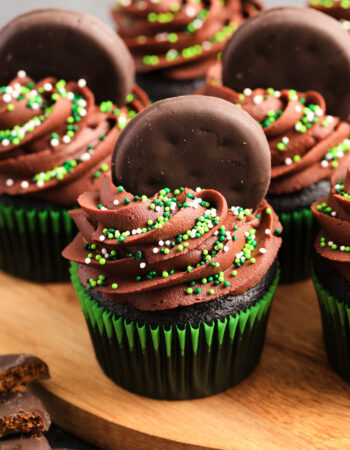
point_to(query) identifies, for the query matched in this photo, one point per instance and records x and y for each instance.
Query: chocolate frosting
(339, 9)
(176, 248)
(291, 48)
(69, 45)
(182, 39)
(306, 143)
(333, 216)
(54, 140)
(23, 413)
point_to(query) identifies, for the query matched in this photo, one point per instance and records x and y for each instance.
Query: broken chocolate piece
(18, 370)
(25, 443)
(23, 414)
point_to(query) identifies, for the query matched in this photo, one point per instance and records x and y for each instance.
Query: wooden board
(292, 400)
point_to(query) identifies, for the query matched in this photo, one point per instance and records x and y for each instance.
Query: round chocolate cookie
(291, 48)
(194, 141)
(70, 45)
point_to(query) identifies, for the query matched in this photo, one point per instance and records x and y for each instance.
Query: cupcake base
(159, 88)
(299, 230)
(335, 315)
(32, 237)
(182, 360)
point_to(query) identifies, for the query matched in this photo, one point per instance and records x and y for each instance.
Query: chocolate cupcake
(331, 269)
(339, 9)
(306, 142)
(56, 137)
(174, 43)
(176, 285)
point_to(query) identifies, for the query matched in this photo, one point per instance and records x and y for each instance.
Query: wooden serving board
(292, 400)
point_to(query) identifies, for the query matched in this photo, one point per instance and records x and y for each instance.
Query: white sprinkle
(161, 243)
(330, 243)
(167, 242)
(47, 87)
(82, 113)
(257, 99)
(142, 265)
(82, 102)
(206, 45)
(82, 82)
(116, 202)
(21, 74)
(342, 248)
(85, 157)
(226, 248)
(5, 142)
(66, 139)
(104, 250)
(247, 91)
(54, 142)
(161, 37)
(277, 94)
(288, 161)
(324, 163)
(24, 185)
(35, 106)
(102, 238)
(190, 11)
(70, 95)
(330, 119)
(40, 183)
(197, 23)
(333, 213)
(9, 182)
(157, 208)
(155, 250)
(262, 250)
(298, 108)
(267, 231)
(198, 189)
(87, 260)
(285, 140)
(6, 98)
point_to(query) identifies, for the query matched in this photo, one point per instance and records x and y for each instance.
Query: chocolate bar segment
(23, 414)
(18, 370)
(25, 443)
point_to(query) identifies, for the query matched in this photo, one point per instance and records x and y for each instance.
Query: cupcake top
(58, 128)
(339, 9)
(55, 142)
(179, 246)
(180, 38)
(333, 216)
(306, 143)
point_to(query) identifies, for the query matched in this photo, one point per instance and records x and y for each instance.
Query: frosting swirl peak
(174, 249)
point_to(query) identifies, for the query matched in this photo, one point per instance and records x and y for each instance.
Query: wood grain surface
(292, 400)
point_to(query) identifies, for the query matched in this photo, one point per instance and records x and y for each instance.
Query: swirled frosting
(306, 144)
(339, 9)
(174, 249)
(54, 140)
(333, 216)
(181, 38)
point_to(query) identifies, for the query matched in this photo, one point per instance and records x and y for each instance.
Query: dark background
(98, 8)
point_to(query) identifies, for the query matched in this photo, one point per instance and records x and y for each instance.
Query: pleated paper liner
(336, 329)
(31, 242)
(176, 362)
(298, 236)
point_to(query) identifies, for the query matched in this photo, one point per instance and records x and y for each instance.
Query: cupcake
(174, 43)
(176, 284)
(339, 9)
(331, 269)
(56, 138)
(307, 143)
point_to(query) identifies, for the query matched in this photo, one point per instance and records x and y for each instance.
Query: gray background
(99, 8)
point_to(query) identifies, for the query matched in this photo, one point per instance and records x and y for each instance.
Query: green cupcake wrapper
(175, 362)
(336, 328)
(31, 242)
(298, 236)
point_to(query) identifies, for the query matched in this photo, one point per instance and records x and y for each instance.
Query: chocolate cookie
(25, 443)
(292, 48)
(18, 370)
(194, 141)
(23, 414)
(70, 45)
